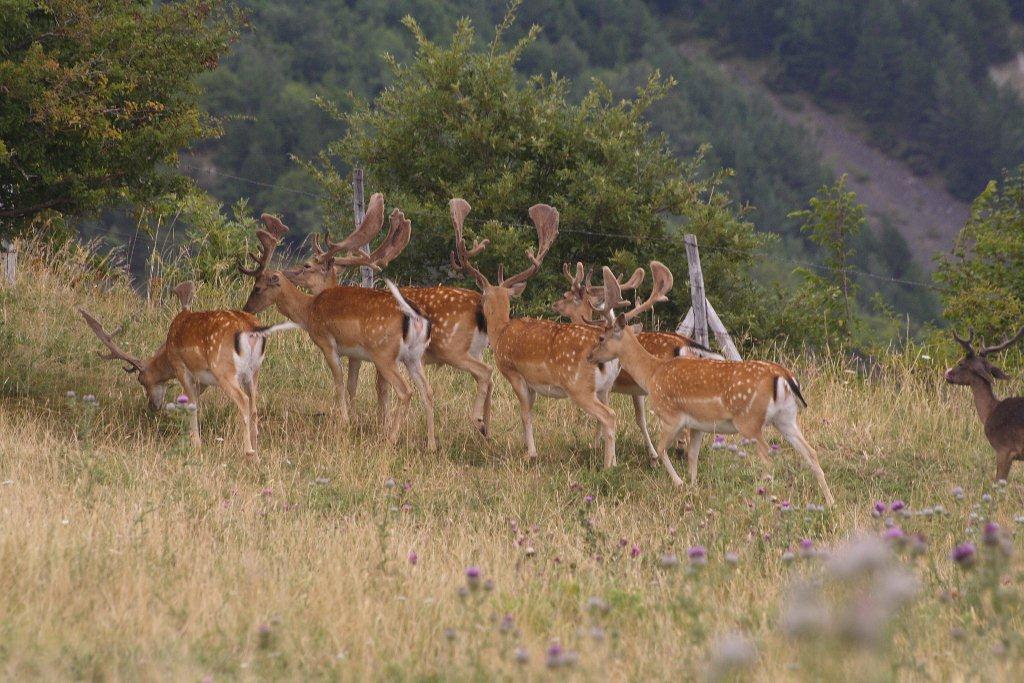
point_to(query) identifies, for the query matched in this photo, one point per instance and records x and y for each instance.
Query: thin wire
(592, 233)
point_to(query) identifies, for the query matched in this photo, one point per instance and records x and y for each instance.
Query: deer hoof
(250, 455)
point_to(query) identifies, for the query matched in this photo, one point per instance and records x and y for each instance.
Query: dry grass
(125, 555)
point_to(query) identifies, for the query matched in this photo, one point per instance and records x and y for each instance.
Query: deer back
(205, 340)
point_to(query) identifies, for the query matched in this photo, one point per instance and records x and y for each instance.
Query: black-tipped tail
(796, 390)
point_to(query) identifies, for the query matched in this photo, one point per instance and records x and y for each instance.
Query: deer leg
(383, 404)
(640, 411)
(592, 405)
(791, 431)
(419, 378)
(231, 387)
(254, 429)
(526, 397)
(352, 384)
(389, 370)
(667, 436)
(334, 364)
(693, 453)
(1003, 461)
(603, 397)
(482, 374)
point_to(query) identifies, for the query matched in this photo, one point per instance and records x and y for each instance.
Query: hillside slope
(926, 215)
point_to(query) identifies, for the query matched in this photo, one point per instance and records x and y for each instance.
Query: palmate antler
(462, 258)
(372, 222)
(268, 239)
(134, 364)
(663, 282)
(394, 242)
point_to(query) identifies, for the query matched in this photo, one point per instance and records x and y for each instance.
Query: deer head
(266, 285)
(496, 298)
(582, 299)
(617, 329)
(975, 364)
(151, 379)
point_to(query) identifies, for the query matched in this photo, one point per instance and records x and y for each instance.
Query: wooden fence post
(702, 314)
(8, 263)
(700, 311)
(359, 209)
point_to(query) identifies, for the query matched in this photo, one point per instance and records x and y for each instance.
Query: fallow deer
(202, 348)
(704, 395)
(538, 356)
(458, 329)
(1003, 420)
(580, 303)
(368, 324)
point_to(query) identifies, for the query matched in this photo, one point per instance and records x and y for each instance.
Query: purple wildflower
(698, 555)
(634, 551)
(895, 535)
(413, 557)
(965, 554)
(880, 507)
(990, 534)
(473, 577)
(588, 499)
(182, 399)
(897, 505)
(760, 491)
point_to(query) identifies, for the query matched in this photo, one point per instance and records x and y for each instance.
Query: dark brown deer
(1003, 420)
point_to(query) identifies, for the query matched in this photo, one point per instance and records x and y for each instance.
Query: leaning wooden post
(359, 209)
(700, 311)
(725, 342)
(8, 262)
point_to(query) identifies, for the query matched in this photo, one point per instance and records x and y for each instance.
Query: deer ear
(620, 322)
(517, 289)
(275, 279)
(637, 329)
(999, 374)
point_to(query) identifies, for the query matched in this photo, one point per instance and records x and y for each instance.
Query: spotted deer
(202, 348)
(702, 395)
(538, 356)
(580, 304)
(1003, 420)
(458, 332)
(369, 324)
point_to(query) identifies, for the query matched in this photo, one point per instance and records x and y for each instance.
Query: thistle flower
(965, 555)
(958, 492)
(449, 634)
(413, 557)
(729, 655)
(897, 505)
(895, 535)
(588, 499)
(634, 551)
(521, 655)
(732, 558)
(507, 623)
(880, 507)
(389, 483)
(760, 491)
(473, 577)
(788, 556)
(181, 400)
(70, 394)
(698, 555)
(668, 561)
(785, 506)
(986, 497)
(597, 605)
(557, 657)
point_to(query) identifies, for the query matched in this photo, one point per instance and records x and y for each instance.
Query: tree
(833, 221)
(98, 98)
(459, 122)
(982, 280)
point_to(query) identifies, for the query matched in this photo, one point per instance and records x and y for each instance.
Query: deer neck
(497, 311)
(293, 303)
(636, 360)
(583, 316)
(159, 364)
(985, 399)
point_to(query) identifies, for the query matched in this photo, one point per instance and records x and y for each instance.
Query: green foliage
(916, 72)
(98, 98)
(832, 222)
(458, 121)
(982, 281)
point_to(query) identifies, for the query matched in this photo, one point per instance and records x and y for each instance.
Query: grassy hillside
(124, 554)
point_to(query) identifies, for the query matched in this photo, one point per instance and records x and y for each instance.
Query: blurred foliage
(98, 98)
(982, 281)
(458, 121)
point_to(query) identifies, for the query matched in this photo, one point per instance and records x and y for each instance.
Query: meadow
(125, 554)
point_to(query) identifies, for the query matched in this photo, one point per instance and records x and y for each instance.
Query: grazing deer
(357, 322)
(579, 304)
(1003, 420)
(219, 347)
(538, 356)
(703, 395)
(458, 332)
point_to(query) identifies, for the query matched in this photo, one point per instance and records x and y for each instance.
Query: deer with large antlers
(1003, 420)
(538, 356)
(703, 395)
(582, 301)
(458, 332)
(202, 348)
(369, 324)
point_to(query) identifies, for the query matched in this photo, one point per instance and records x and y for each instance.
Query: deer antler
(373, 221)
(966, 343)
(545, 219)
(634, 281)
(574, 280)
(461, 257)
(134, 364)
(396, 240)
(985, 350)
(663, 281)
(612, 295)
(269, 239)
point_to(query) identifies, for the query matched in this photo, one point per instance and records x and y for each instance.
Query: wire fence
(513, 222)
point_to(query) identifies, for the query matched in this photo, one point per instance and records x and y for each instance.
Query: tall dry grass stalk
(126, 555)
